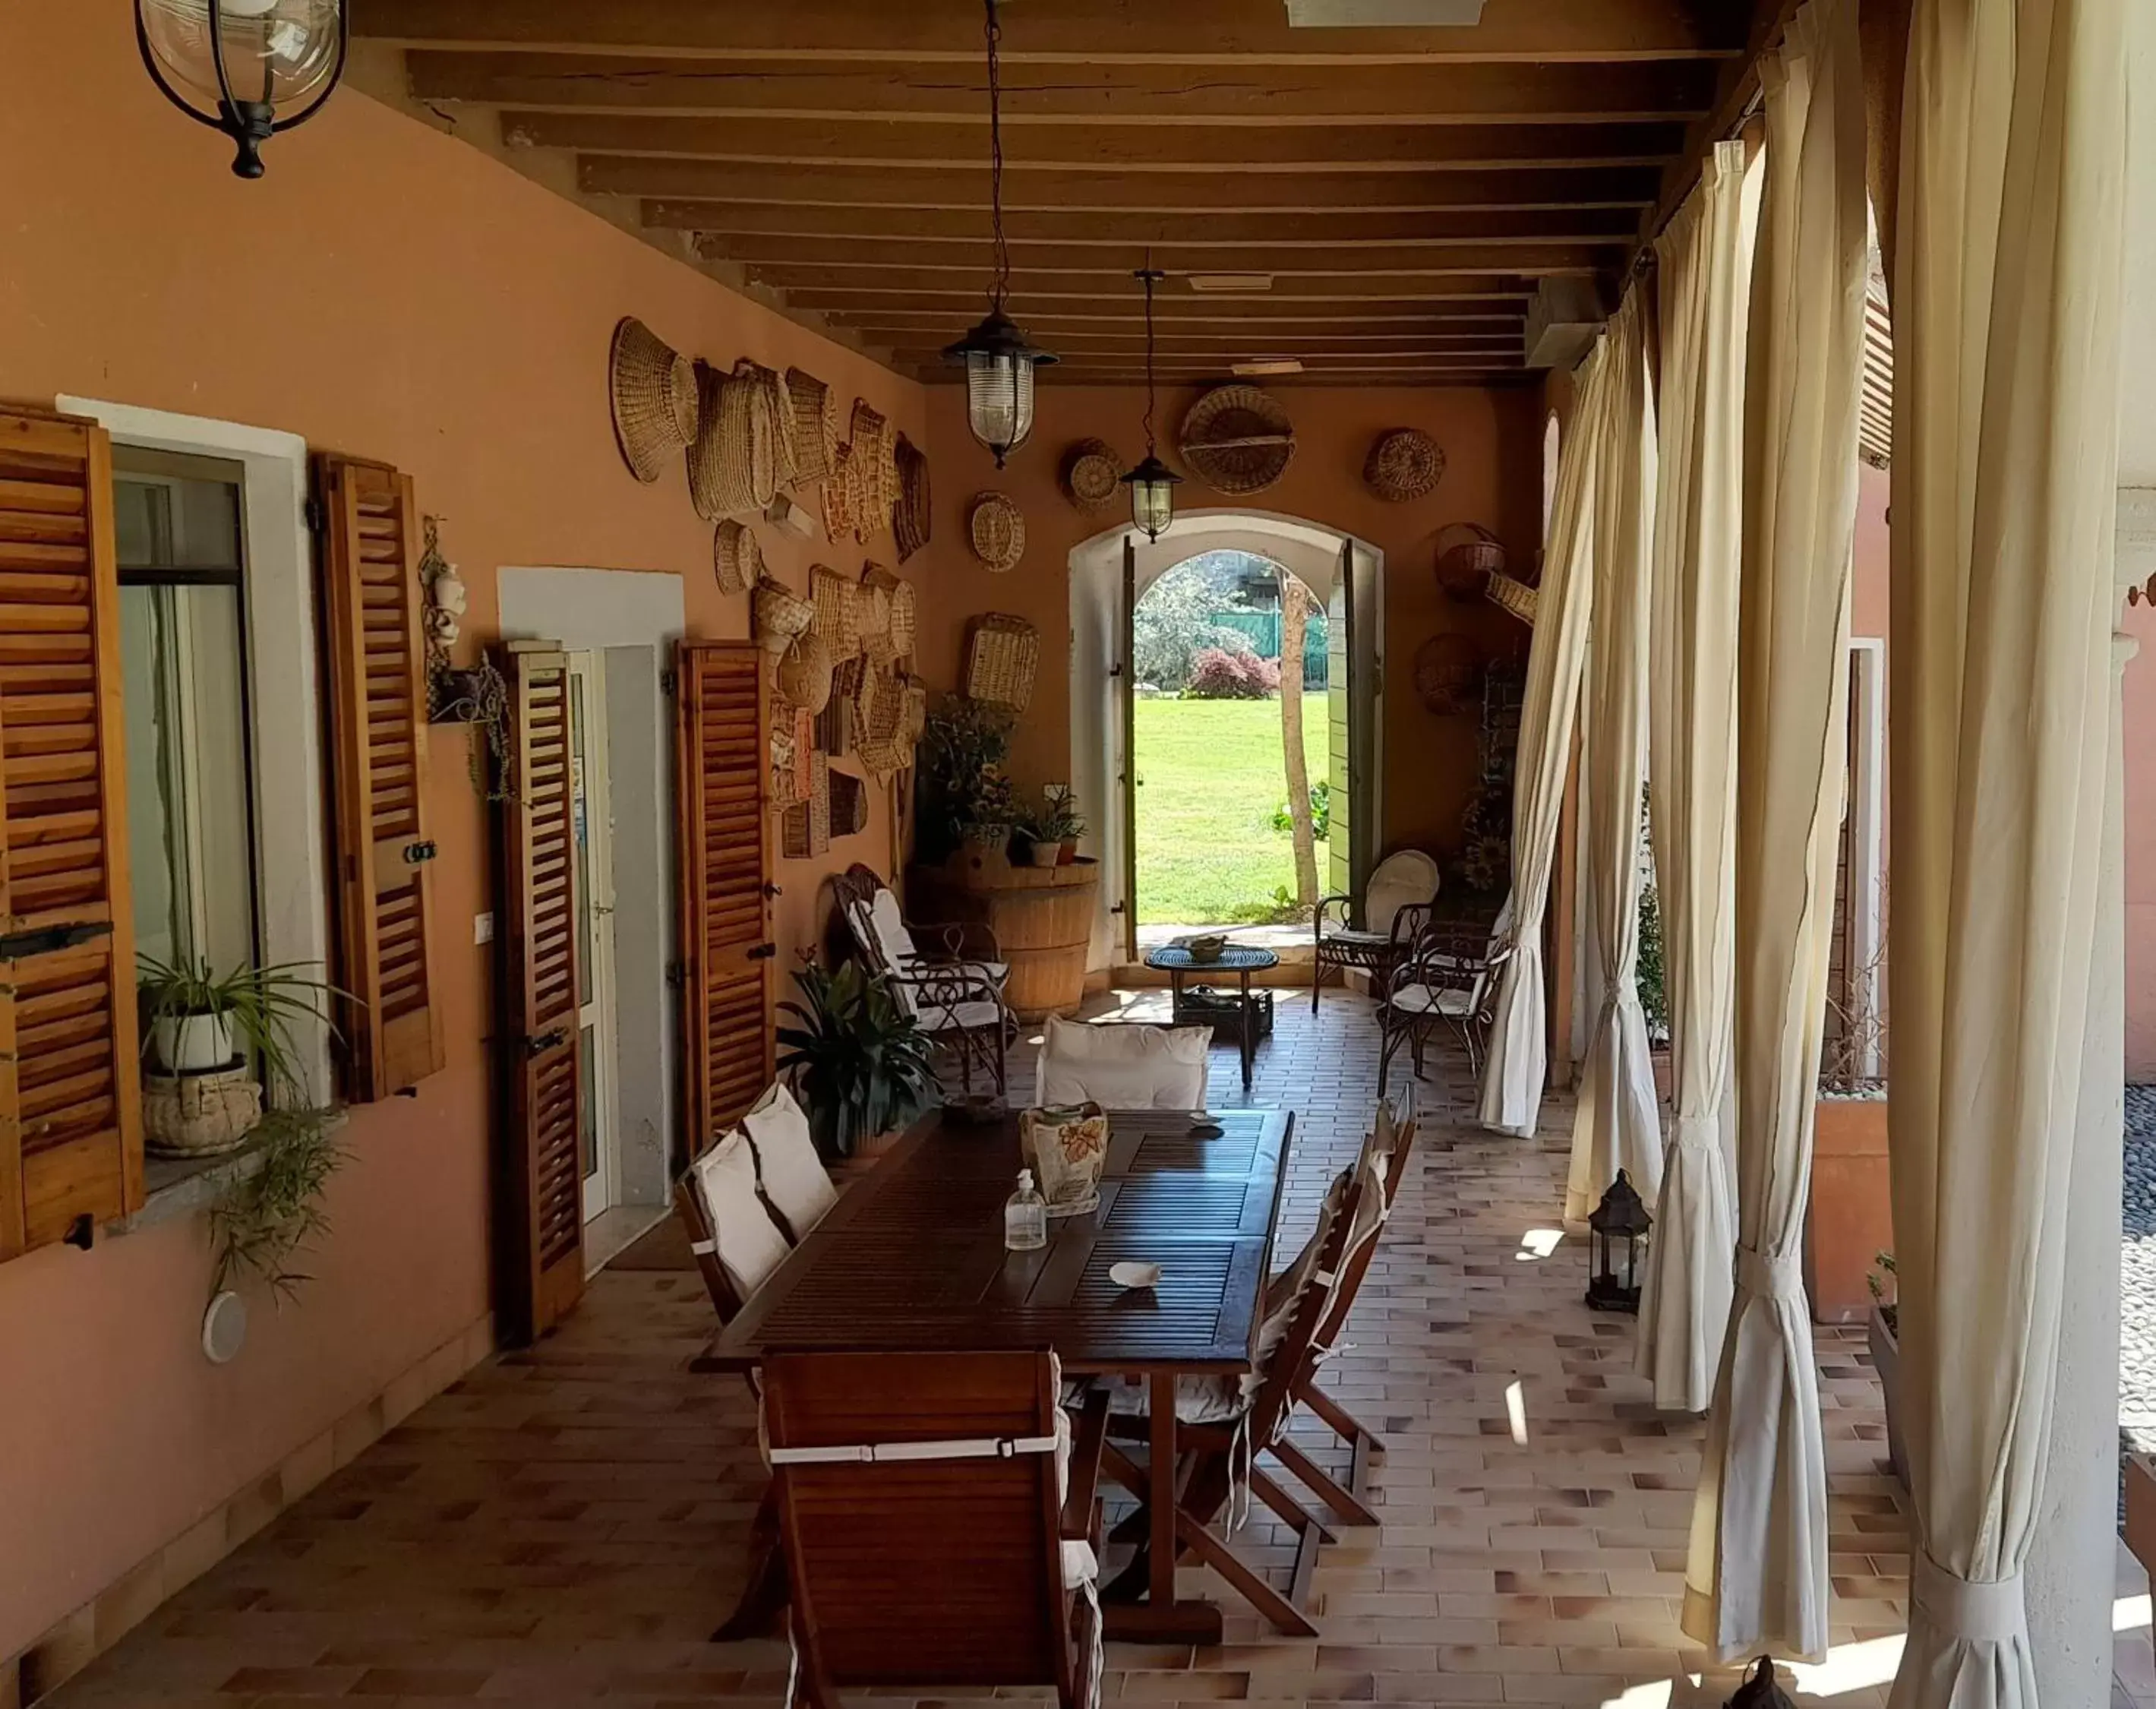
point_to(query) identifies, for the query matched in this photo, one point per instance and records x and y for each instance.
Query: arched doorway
(1109, 573)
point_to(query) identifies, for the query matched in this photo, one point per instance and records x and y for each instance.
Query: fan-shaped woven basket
(880, 723)
(803, 676)
(1467, 557)
(849, 805)
(1090, 475)
(837, 617)
(997, 528)
(733, 465)
(1002, 654)
(871, 471)
(909, 514)
(1403, 463)
(780, 613)
(872, 612)
(778, 403)
(792, 753)
(651, 388)
(897, 595)
(1238, 440)
(834, 727)
(839, 495)
(737, 560)
(815, 428)
(1448, 673)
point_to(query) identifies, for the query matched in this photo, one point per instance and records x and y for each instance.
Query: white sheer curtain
(1756, 1580)
(1618, 1122)
(1703, 261)
(2007, 320)
(1517, 1066)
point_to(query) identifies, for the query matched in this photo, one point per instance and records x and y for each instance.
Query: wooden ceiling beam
(1628, 188)
(1088, 92)
(863, 140)
(888, 326)
(961, 302)
(1196, 32)
(1068, 344)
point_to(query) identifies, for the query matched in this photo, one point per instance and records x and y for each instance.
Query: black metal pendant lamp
(248, 68)
(998, 356)
(1153, 483)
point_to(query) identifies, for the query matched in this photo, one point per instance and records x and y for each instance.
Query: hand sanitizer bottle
(1025, 1216)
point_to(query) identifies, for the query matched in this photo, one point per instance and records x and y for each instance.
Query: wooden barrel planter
(1042, 916)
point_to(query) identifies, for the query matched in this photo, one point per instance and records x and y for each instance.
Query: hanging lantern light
(248, 68)
(999, 358)
(1153, 483)
(1620, 1223)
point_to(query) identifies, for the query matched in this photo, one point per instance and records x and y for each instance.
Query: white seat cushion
(792, 1175)
(1421, 999)
(1123, 1067)
(1408, 876)
(749, 1243)
(892, 939)
(945, 1018)
(1198, 1400)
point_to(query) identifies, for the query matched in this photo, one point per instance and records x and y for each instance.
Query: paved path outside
(2137, 1274)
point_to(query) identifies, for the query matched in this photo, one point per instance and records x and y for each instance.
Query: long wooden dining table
(911, 1258)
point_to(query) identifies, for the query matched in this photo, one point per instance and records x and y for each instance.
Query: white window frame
(284, 681)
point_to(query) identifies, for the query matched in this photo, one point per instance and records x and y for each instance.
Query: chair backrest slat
(1278, 1381)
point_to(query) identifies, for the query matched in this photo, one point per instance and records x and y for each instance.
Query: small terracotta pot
(1067, 854)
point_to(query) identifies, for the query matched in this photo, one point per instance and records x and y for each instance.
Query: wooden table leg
(1161, 1619)
(764, 1598)
(1249, 1030)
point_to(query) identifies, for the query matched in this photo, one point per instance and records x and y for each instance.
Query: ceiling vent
(1391, 14)
(1562, 321)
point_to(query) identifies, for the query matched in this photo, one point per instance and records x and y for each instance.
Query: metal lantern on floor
(1620, 1223)
(248, 68)
(999, 358)
(1153, 483)
(1760, 1690)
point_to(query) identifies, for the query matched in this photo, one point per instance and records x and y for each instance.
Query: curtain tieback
(1974, 1611)
(1765, 1276)
(1698, 1133)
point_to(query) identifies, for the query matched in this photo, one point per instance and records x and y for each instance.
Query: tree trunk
(1294, 619)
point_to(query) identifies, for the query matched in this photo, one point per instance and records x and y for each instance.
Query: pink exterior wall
(2141, 847)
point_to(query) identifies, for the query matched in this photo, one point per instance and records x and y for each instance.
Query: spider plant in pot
(858, 1059)
(202, 1022)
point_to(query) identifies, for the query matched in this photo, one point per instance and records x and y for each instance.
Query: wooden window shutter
(727, 951)
(378, 700)
(71, 1100)
(542, 1235)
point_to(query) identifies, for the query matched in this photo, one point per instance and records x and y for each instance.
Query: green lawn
(1211, 779)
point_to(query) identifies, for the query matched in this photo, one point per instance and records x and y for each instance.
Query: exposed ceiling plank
(1736, 86)
(900, 325)
(1070, 346)
(865, 140)
(859, 261)
(961, 302)
(1066, 194)
(1204, 32)
(1147, 93)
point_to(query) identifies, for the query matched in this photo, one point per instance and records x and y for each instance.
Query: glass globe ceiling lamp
(250, 69)
(1153, 483)
(998, 356)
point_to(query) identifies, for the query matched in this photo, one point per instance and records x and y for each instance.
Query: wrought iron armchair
(956, 997)
(1396, 904)
(1448, 978)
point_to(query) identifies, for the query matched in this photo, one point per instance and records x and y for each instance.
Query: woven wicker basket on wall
(1002, 654)
(1449, 669)
(803, 675)
(733, 465)
(837, 618)
(779, 613)
(996, 527)
(1404, 463)
(805, 831)
(1238, 440)
(879, 736)
(834, 725)
(199, 1114)
(815, 428)
(1467, 557)
(651, 388)
(1090, 475)
(911, 515)
(849, 805)
(737, 560)
(793, 750)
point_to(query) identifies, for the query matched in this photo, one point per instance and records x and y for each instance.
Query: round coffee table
(1242, 960)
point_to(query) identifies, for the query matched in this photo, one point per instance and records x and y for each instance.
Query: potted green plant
(858, 1061)
(1060, 822)
(963, 795)
(263, 1221)
(201, 1022)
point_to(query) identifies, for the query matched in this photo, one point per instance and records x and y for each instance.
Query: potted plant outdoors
(963, 794)
(859, 1063)
(215, 1043)
(1883, 1332)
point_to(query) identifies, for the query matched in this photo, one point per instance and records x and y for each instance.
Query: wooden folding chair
(937, 1535)
(1217, 1449)
(1392, 1143)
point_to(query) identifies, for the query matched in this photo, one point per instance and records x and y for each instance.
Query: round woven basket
(652, 390)
(737, 560)
(910, 517)
(1403, 463)
(1090, 475)
(997, 529)
(780, 613)
(733, 465)
(1467, 557)
(815, 428)
(1238, 440)
(803, 676)
(1449, 669)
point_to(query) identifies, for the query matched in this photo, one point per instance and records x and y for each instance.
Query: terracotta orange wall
(389, 292)
(2141, 847)
(1492, 444)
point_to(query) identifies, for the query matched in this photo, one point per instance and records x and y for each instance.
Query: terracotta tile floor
(568, 1524)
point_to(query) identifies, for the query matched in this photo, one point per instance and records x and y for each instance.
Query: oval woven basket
(779, 613)
(1468, 556)
(737, 560)
(651, 388)
(1403, 463)
(815, 428)
(778, 405)
(803, 676)
(997, 529)
(1449, 669)
(1090, 475)
(896, 594)
(1238, 440)
(733, 465)
(872, 612)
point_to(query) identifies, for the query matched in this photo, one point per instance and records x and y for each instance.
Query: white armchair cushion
(793, 1177)
(893, 940)
(750, 1246)
(1449, 1003)
(1123, 1067)
(1410, 876)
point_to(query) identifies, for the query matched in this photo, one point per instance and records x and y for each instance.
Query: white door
(600, 1123)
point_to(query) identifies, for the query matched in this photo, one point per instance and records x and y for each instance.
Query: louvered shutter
(71, 1100)
(725, 925)
(542, 1068)
(393, 1032)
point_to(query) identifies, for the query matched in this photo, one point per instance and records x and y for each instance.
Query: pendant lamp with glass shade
(248, 68)
(999, 358)
(1153, 483)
